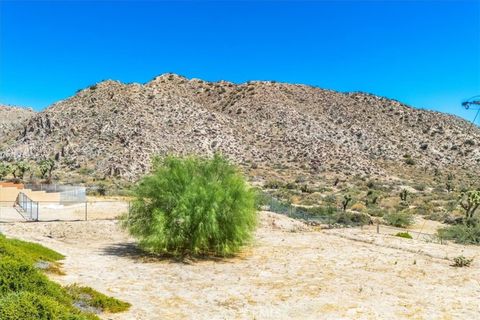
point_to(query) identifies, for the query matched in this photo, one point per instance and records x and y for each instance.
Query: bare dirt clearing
(290, 272)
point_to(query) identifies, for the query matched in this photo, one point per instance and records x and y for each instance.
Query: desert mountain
(12, 119)
(113, 129)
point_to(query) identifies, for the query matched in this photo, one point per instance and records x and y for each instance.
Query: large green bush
(192, 206)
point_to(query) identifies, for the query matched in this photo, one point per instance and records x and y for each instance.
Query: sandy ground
(291, 272)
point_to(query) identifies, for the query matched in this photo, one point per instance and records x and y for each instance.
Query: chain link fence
(26, 209)
(330, 220)
(62, 211)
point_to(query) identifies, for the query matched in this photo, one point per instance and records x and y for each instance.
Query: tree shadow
(132, 251)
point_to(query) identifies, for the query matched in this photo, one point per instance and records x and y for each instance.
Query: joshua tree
(449, 183)
(19, 169)
(346, 200)
(470, 202)
(4, 170)
(46, 167)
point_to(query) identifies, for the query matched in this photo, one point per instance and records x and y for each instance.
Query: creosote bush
(192, 206)
(399, 219)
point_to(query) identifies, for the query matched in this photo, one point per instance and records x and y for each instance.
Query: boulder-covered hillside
(12, 119)
(113, 129)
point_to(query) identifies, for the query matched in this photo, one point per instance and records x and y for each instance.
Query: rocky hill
(12, 119)
(113, 129)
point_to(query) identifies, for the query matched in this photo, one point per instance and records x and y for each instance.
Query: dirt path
(290, 273)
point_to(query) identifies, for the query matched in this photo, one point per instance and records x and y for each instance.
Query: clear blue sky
(424, 53)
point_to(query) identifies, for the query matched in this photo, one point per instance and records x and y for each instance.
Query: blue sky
(424, 53)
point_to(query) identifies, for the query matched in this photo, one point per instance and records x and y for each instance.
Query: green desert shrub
(27, 294)
(290, 186)
(27, 252)
(321, 211)
(35, 306)
(376, 212)
(410, 161)
(400, 219)
(359, 207)
(192, 206)
(461, 233)
(405, 235)
(92, 298)
(353, 218)
(16, 276)
(330, 199)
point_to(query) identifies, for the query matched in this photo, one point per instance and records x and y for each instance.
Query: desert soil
(290, 272)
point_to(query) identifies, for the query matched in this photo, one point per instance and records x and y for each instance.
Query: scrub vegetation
(26, 292)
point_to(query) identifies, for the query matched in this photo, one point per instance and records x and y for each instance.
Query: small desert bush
(376, 212)
(439, 215)
(90, 297)
(321, 211)
(461, 262)
(291, 186)
(420, 187)
(461, 233)
(389, 203)
(274, 184)
(399, 219)
(359, 207)
(353, 218)
(405, 235)
(192, 206)
(410, 161)
(330, 199)
(312, 199)
(424, 208)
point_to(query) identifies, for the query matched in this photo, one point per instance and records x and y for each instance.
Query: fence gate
(26, 207)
